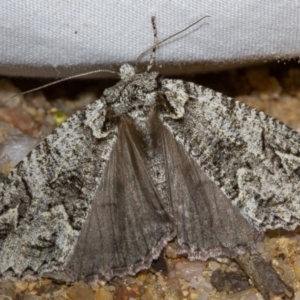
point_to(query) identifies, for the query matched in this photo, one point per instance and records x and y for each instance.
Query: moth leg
(264, 277)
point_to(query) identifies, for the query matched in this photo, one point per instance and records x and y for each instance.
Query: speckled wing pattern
(151, 160)
(253, 158)
(45, 199)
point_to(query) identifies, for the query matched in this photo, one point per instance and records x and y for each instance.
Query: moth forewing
(235, 146)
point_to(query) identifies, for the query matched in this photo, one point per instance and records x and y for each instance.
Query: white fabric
(54, 38)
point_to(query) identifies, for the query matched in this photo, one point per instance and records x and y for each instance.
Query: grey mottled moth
(152, 160)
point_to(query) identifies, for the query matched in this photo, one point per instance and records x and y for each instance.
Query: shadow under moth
(153, 160)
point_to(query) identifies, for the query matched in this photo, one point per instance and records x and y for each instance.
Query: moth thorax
(142, 125)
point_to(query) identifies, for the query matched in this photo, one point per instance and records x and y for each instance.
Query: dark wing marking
(127, 225)
(254, 158)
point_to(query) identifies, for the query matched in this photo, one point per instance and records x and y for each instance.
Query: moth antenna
(59, 81)
(156, 44)
(152, 58)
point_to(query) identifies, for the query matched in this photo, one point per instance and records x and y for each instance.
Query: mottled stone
(250, 294)
(213, 265)
(103, 294)
(14, 149)
(297, 295)
(7, 91)
(5, 298)
(47, 286)
(171, 251)
(33, 297)
(125, 292)
(224, 281)
(80, 291)
(17, 117)
(7, 289)
(188, 269)
(26, 286)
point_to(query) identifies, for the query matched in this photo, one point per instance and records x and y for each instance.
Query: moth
(153, 160)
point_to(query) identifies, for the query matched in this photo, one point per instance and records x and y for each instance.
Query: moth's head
(126, 72)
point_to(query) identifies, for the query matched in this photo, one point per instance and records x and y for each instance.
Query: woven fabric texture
(41, 38)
